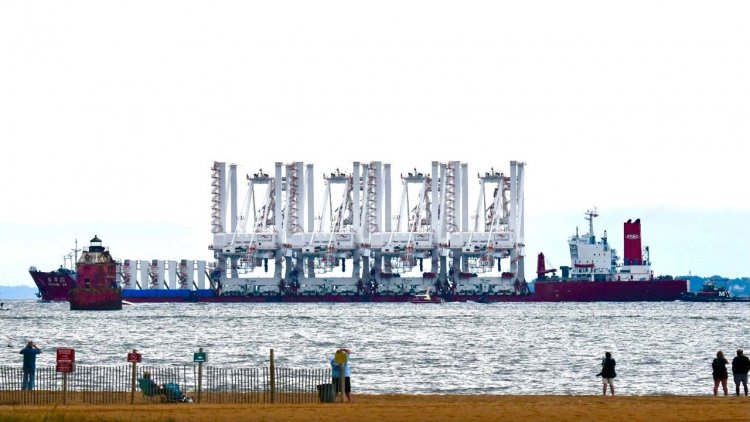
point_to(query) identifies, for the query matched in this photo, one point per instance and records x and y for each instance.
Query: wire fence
(116, 385)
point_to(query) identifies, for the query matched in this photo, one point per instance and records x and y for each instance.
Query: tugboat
(426, 298)
(710, 292)
(96, 273)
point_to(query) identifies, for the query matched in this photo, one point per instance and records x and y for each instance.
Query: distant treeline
(736, 286)
(17, 292)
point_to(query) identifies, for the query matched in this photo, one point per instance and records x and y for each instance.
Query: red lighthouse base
(101, 299)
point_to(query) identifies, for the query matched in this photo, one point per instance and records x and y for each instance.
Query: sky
(112, 113)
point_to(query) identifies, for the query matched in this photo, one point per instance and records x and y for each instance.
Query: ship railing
(113, 385)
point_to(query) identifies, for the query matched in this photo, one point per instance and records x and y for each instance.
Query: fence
(113, 385)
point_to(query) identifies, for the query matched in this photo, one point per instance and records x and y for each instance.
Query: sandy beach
(414, 409)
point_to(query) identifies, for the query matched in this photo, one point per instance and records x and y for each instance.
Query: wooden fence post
(65, 388)
(273, 379)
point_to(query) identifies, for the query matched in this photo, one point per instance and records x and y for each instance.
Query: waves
(403, 348)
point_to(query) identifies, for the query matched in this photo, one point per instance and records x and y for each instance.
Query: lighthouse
(97, 280)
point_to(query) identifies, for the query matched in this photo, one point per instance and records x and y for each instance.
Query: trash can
(326, 393)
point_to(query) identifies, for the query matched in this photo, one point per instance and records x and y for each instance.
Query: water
(453, 348)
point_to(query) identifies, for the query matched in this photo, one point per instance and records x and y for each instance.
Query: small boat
(426, 298)
(710, 292)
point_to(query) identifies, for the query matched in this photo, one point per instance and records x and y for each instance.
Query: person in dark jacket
(608, 373)
(740, 368)
(719, 366)
(29, 365)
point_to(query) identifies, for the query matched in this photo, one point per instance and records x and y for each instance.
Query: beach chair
(150, 390)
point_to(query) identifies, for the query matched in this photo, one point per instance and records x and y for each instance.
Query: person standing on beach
(740, 368)
(336, 374)
(29, 365)
(608, 373)
(719, 366)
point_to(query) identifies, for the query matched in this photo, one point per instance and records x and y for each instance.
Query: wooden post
(342, 384)
(65, 388)
(132, 382)
(273, 379)
(200, 376)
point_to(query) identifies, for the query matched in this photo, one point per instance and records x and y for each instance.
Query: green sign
(200, 357)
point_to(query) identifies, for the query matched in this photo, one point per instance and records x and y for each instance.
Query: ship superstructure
(594, 260)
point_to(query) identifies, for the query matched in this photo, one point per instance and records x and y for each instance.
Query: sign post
(340, 359)
(200, 357)
(65, 363)
(133, 357)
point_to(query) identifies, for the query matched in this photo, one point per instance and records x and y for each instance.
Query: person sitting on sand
(170, 391)
(719, 366)
(608, 373)
(149, 386)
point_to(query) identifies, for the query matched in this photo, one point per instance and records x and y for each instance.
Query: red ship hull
(54, 285)
(609, 291)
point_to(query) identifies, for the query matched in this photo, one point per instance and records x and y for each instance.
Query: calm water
(467, 348)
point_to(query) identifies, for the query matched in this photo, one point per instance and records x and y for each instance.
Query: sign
(65, 360)
(64, 366)
(134, 357)
(341, 358)
(200, 357)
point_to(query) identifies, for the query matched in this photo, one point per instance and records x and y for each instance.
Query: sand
(414, 409)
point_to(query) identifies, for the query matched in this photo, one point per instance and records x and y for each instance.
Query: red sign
(64, 366)
(66, 354)
(65, 360)
(134, 357)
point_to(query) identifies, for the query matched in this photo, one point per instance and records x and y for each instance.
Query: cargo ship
(595, 275)
(271, 246)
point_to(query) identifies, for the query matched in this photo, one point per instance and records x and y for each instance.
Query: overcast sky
(111, 114)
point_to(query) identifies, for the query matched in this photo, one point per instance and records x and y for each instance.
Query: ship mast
(590, 214)
(75, 251)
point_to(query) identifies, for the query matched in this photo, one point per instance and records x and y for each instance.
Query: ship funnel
(540, 270)
(632, 243)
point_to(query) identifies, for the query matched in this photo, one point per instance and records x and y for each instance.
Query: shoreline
(413, 408)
